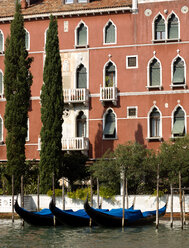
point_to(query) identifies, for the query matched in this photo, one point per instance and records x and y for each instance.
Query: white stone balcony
(72, 144)
(76, 96)
(75, 144)
(108, 94)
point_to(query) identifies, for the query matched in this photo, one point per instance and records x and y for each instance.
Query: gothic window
(110, 33)
(178, 123)
(81, 77)
(159, 28)
(173, 27)
(154, 73)
(155, 123)
(81, 125)
(109, 131)
(82, 35)
(178, 72)
(110, 75)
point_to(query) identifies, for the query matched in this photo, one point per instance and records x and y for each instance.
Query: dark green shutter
(178, 127)
(110, 33)
(27, 40)
(1, 128)
(1, 83)
(1, 41)
(160, 24)
(81, 77)
(154, 73)
(109, 127)
(82, 35)
(178, 72)
(173, 27)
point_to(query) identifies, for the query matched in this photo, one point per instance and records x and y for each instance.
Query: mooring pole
(12, 198)
(157, 200)
(22, 195)
(53, 189)
(63, 194)
(91, 191)
(171, 217)
(180, 197)
(123, 213)
(127, 196)
(184, 213)
(98, 194)
(38, 203)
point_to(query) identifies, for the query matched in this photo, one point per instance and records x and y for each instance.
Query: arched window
(1, 83)
(110, 33)
(1, 129)
(82, 35)
(1, 41)
(109, 131)
(159, 28)
(155, 123)
(27, 40)
(178, 123)
(173, 27)
(81, 125)
(81, 77)
(178, 71)
(154, 77)
(109, 75)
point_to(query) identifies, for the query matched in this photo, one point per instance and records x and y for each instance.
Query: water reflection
(15, 235)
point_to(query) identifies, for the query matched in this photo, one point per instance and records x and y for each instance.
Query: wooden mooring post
(157, 200)
(123, 206)
(22, 195)
(12, 198)
(98, 193)
(184, 212)
(171, 216)
(126, 192)
(38, 200)
(180, 197)
(63, 194)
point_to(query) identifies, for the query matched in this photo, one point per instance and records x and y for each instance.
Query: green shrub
(107, 192)
(58, 192)
(80, 193)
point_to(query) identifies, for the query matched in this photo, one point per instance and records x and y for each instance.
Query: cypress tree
(51, 110)
(17, 82)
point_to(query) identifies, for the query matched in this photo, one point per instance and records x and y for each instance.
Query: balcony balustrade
(76, 95)
(72, 144)
(108, 94)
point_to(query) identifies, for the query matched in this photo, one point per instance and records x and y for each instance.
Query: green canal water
(15, 235)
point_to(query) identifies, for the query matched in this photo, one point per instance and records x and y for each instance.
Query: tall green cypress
(17, 82)
(51, 110)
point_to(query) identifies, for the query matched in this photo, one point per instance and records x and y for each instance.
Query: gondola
(77, 218)
(113, 218)
(42, 218)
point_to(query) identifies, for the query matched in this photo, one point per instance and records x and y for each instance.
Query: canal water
(15, 235)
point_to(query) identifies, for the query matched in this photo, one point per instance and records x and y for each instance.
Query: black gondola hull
(107, 220)
(35, 219)
(68, 219)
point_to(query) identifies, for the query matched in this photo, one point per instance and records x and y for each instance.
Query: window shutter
(173, 27)
(109, 128)
(1, 41)
(159, 25)
(81, 77)
(1, 129)
(110, 33)
(26, 40)
(178, 127)
(154, 73)
(82, 35)
(178, 72)
(1, 83)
